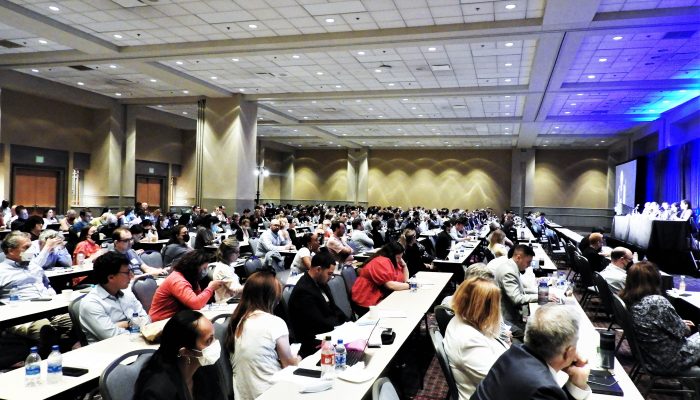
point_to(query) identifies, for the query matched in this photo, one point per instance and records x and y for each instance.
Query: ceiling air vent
(441, 67)
(81, 67)
(120, 82)
(265, 75)
(679, 35)
(599, 112)
(10, 45)
(329, 109)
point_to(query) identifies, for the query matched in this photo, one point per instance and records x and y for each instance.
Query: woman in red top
(180, 290)
(87, 245)
(382, 274)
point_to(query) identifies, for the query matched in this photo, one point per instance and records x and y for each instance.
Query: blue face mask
(215, 228)
(202, 274)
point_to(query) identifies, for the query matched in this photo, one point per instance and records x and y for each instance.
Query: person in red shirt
(181, 290)
(87, 245)
(382, 274)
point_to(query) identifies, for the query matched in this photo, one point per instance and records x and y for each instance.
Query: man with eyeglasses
(106, 310)
(123, 240)
(616, 272)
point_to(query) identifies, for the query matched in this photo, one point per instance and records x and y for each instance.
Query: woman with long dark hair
(257, 339)
(177, 246)
(181, 290)
(383, 273)
(174, 371)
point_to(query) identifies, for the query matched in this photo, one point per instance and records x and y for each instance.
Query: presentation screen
(625, 185)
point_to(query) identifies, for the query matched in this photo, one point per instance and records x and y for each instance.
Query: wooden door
(36, 188)
(149, 190)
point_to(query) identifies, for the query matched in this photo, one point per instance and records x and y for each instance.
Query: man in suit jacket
(312, 309)
(513, 296)
(528, 371)
(443, 242)
(596, 261)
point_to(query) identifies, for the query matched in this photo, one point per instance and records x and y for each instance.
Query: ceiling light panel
(638, 56)
(621, 102)
(585, 128)
(632, 5)
(179, 109)
(410, 131)
(29, 42)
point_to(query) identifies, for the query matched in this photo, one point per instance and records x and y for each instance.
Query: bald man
(616, 272)
(597, 261)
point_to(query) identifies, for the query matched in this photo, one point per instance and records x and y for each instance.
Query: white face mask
(210, 354)
(26, 256)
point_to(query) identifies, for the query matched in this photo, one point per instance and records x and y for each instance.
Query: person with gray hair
(529, 371)
(49, 251)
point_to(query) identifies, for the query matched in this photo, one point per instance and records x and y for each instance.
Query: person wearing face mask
(181, 290)
(178, 245)
(123, 240)
(88, 246)
(226, 257)
(183, 366)
(50, 251)
(206, 233)
(129, 218)
(616, 272)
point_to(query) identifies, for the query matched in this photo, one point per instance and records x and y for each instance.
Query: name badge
(134, 261)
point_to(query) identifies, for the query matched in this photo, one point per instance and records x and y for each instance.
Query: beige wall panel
(571, 178)
(439, 178)
(271, 185)
(185, 187)
(158, 143)
(320, 175)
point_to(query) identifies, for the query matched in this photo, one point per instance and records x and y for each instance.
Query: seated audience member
(585, 241)
(376, 234)
(529, 371)
(180, 290)
(337, 244)
(137, 233)
(21, 215)
(362, 241)
(476, 270)
(384, 272)
(415, 256)
(83, 220)
(472, 339)
(458, 231)
(5, 211)
(270, 244)
(182, 367)
(50, 251)
(513, 295)
(312, 309)
(150, 233)
(615, 274)
(31, 282)
(497, 243)
(664, 339)
(50, 217)
(206, 233)
(87, 246)
(257, 340)
(597, 261)
(326, 229)
(226, 256)
(177, 246)
(443, 241)
(106, 310)
(129, 218)
(122, 244)
(244, 233)
(686, 211)
(68, 220)
(309, 246)
(33, 226)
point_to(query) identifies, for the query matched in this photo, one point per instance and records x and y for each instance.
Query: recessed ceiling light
(306, 117)
(418, 142)
(80, 84)
(665, 101)
(153, 80)
(398, 129)
(507, 80)
(509, 64)
(235, 60)
(617, 37)
(579, 94)
(652, 110)
(544, 145)
(214, 78)
(510, 6)
(413, 108)
(184, 113)
(330, 20)
(591, 76)
(295, 56)
(509, 44)
(42, 41)
(371, 109)
(602, 59)
(338, 86)
(391, 84)
(296, 130)
(556, 127)
(179, 62)
(54, 8)
(35, 70)
(431, 49)
(160, 106)
(681, 91)
(252, 26)
(319, 73)
(117, 94)
(573, 104)
(290, 111)
(364, 142)
(117, 36)
(360, 53)
(420, 115)
(112, 66)
(507, 113)
(185, 91)
(507, 105)
(404, 99)
(242, 89)
(602, 141)
(380, 116)
(567, 112)
(478, 145)
(507, 128)
(330, 142)
(377, 70)
(507, 97)
(358, 101)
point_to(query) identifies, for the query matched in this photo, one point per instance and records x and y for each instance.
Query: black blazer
(443, 242)
(377, 238)
(310, 314)
(160, 385)
(519, 374)
(595, 260)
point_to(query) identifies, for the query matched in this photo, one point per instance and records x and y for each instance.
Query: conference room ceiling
(377, 73)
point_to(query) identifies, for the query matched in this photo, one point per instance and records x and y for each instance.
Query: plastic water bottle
(681, 285)
(135, 326)
(55, 366)
(340, 356)
(80, 258)
(413, 284)
(32, 368)
(14, 296)
(542, 293)
(327, 359)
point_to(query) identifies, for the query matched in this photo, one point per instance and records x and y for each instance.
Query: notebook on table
(603, 382)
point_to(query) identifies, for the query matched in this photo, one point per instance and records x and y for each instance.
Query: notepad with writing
(603, 382)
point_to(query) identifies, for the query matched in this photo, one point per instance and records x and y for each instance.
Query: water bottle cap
(135, 314)
(328, 338)
(340, 341)
(34, 349)
(54, 347)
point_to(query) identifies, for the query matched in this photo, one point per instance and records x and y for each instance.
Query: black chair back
(144, 289)
(436, 337)
(74, 314)
(443, 315)
(340, 296)
(604, 293)
(584, 269)
(349, 277)
(223, 364)
(118, 381)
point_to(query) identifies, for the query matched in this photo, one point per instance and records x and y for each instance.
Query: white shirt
(615, 276)
(225, 272)
(301, 253)
(255, 359)
(471, 355)
(575, 391)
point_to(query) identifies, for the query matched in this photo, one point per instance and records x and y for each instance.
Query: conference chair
(251, 265)
(452, 393)
(118, 380)
(284, 304)
(2, 257)
(586, 280)
(349, 277)
(152, 258)
(605, 294)
(571, 260)
(688, 381)
(74, 314)
(383, 389)
(443, 316)
(223, 364)
(283, 275)
(340, 296)
(144, 289)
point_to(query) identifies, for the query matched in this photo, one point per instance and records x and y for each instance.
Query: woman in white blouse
(471, 339)
(226, 257)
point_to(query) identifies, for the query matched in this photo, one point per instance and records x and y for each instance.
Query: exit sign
(39, 159)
